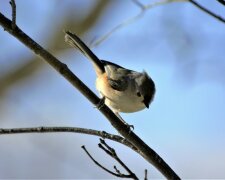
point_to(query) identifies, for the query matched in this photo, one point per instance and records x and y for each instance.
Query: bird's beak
(146, 103)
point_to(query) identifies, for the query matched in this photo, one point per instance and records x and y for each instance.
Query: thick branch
(149, 154)
(222, 2)
(29, 66)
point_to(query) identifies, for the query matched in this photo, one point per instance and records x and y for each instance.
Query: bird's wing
(117, 76)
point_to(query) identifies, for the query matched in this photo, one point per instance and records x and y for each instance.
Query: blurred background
(181, 47)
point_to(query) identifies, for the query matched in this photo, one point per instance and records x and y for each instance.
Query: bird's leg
(101, 103)
(131, 127)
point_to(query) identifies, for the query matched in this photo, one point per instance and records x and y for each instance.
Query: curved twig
(104, 146)
(111, 152)
(132, 19)
(13, 5)
(98, 164)
(144, 8)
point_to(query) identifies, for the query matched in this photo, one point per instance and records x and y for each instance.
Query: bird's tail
(74, 41)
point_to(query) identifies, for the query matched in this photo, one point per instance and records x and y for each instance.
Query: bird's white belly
(120, 101)
(125, 103)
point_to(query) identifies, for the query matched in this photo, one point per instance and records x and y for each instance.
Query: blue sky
(181, 48)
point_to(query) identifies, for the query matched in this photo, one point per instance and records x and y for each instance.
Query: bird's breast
(120, 101)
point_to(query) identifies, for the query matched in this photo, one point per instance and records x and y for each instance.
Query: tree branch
(102, 134)
(222, 2)
(146, 174)
(104, 146)
(207, 11)
(29, 66)
(98, 164)
(143, 8)
(149, 154)
(44, 129)
(111, 152)
(13, 4)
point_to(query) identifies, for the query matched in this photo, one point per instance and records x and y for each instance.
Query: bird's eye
(138, 94)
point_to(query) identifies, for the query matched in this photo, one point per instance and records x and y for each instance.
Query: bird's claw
(130, 127)
(101, 103)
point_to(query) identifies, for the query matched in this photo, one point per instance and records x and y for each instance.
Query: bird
(122, 90)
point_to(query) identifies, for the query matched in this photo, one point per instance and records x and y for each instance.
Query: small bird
(123, 90)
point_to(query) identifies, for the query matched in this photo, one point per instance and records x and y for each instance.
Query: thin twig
(13, 4)
(116, 28)
(114, 155)
(143, 7)
(207, 11)
(139, 4)
(146, 174)
(145, 151)
(98, 164)
(107, 146)
(117, 170)
(111, 152)
(162, 2)
(105, 149)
